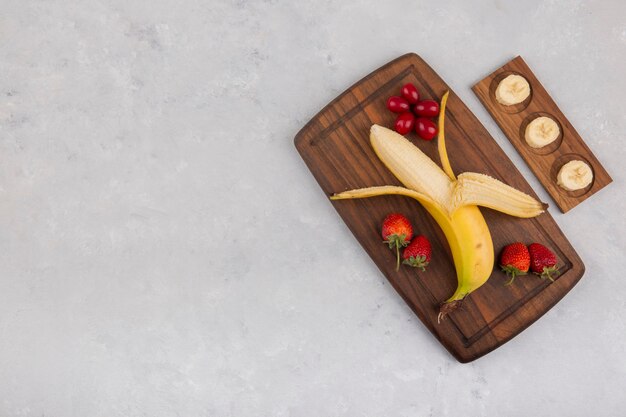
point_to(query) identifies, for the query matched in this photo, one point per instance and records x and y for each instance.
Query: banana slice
(541, 132)
(513, 89)
(575, 175)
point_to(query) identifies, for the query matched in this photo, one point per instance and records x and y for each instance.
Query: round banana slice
(514, 89)
(541, 132)
(575, 175)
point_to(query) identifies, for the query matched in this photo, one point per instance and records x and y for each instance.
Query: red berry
(417, 254)
(404, 123)
(426, 108)
(515, 260)
(397, 224)
(397, 232)
(425, 128)
(397, 104)
(410, 93)
(542, 261)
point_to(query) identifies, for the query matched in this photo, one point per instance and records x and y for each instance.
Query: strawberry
(417, 254)
(514, 260)
(397, 232)
(542, 261)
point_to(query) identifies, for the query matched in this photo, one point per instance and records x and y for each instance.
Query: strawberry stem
(548, 271)
(417, 262)
(397, 241)
(511, 271)
(397, 256)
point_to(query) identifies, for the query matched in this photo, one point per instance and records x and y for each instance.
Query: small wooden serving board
(335, 146)
(547, 161)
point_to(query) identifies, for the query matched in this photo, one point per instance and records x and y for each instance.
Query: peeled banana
(541, 132)
(452, 202)
(513, 89)
(575, 175)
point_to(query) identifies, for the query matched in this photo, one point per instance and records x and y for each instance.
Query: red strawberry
(542, 261)
(417, 254)
(514, 260)
(397, 232)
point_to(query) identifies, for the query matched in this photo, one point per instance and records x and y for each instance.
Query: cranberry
(425, 128)
(404, 123)
(397, 104)
(427, 108)
(410, 93)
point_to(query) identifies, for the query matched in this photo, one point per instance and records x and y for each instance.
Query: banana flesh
(452, 202)
(541, 132)
(575, 175)
(513, 89)
(400, 157)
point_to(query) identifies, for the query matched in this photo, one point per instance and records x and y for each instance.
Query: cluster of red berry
(414, 113)
(397, 232)
(516, 259)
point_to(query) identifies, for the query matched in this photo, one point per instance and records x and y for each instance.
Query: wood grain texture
(335, 146)
(544, 162)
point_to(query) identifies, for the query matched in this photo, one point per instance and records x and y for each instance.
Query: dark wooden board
(335, 146)
(544, 162)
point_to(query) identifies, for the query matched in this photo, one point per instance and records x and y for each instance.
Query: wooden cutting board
(547, 161)
(335, 146)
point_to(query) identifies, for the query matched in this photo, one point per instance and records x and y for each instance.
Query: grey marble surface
(165, 252)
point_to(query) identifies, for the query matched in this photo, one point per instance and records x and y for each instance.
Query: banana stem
(447, 308)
